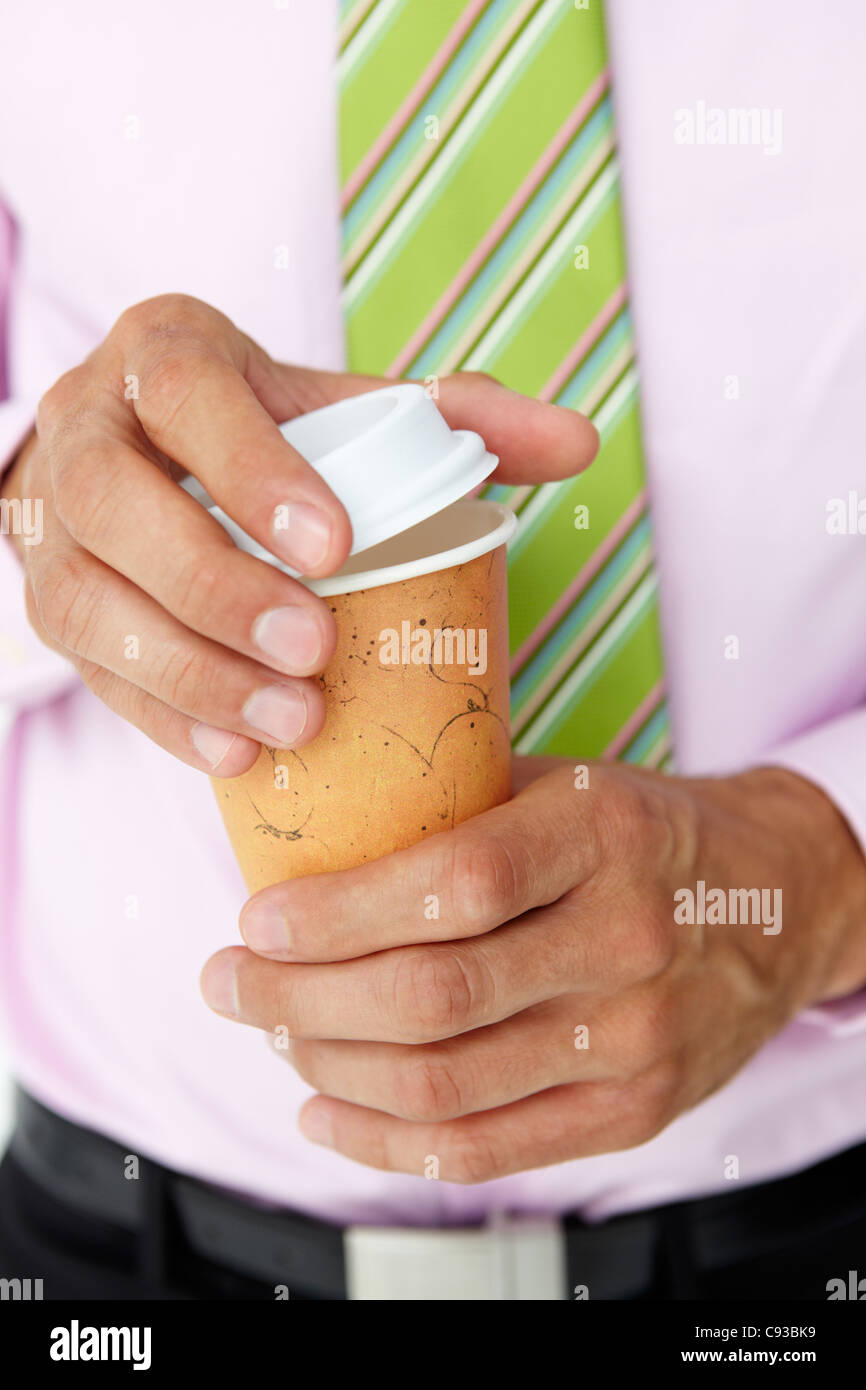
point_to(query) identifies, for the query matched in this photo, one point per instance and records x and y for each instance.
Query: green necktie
(482, 230)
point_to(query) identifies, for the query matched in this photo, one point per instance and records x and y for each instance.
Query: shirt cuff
(30, 673)
(833, 756)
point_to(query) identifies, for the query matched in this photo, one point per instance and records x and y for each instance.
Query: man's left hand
(528, 988)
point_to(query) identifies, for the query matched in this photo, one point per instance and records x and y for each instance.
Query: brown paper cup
(416, 737)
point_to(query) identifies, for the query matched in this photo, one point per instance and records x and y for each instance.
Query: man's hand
(556, 1007)
(211, 651)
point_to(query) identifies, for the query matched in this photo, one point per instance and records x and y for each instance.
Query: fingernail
(220, 988)
(213, 744)
(290, 634)
(279, 712)
(316, 1125)
(302, 534)
(265, 929)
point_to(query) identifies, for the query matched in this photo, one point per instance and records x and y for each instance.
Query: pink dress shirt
(164, 147)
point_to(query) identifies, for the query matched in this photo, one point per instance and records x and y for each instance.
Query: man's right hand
(208, 650)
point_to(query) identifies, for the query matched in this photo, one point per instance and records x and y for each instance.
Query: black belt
(617, 1259)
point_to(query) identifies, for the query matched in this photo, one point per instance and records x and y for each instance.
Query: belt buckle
(511, 1258)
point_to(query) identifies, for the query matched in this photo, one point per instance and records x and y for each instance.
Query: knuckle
(83, 497)
(162, 313)
(652, 945)
(435, 994)
(183, 680)
(484, 882)
(645, 1034)
(474, 1158)
(658, 825)
(199, 590)
(167, 383)
(63, 603)
(62, 404)
(625, 816)
(280, 994)
(426, 1090)
(650, 1106)
(639, 814)
(246, 466)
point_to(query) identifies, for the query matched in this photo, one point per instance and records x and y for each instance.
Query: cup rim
(503, 524)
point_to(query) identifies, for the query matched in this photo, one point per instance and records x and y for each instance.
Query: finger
(490, 869)
(554, 1126)
(414, 994)
(197, 407)
(105, 620)
(534, 440)
(219, 752)
(434, 1082)
(116, 504)
(287, 390)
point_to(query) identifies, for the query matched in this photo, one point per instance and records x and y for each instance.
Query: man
(451, 1084)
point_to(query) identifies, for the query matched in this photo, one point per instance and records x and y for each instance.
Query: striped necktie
(482, 230)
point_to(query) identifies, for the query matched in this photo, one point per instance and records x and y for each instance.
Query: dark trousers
(78, 1257)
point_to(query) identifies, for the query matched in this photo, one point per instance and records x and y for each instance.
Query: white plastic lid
(389, 456)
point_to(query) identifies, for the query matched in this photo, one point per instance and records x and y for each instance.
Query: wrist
(825, 881)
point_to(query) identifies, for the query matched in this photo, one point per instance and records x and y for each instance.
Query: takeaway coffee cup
(416, 737)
